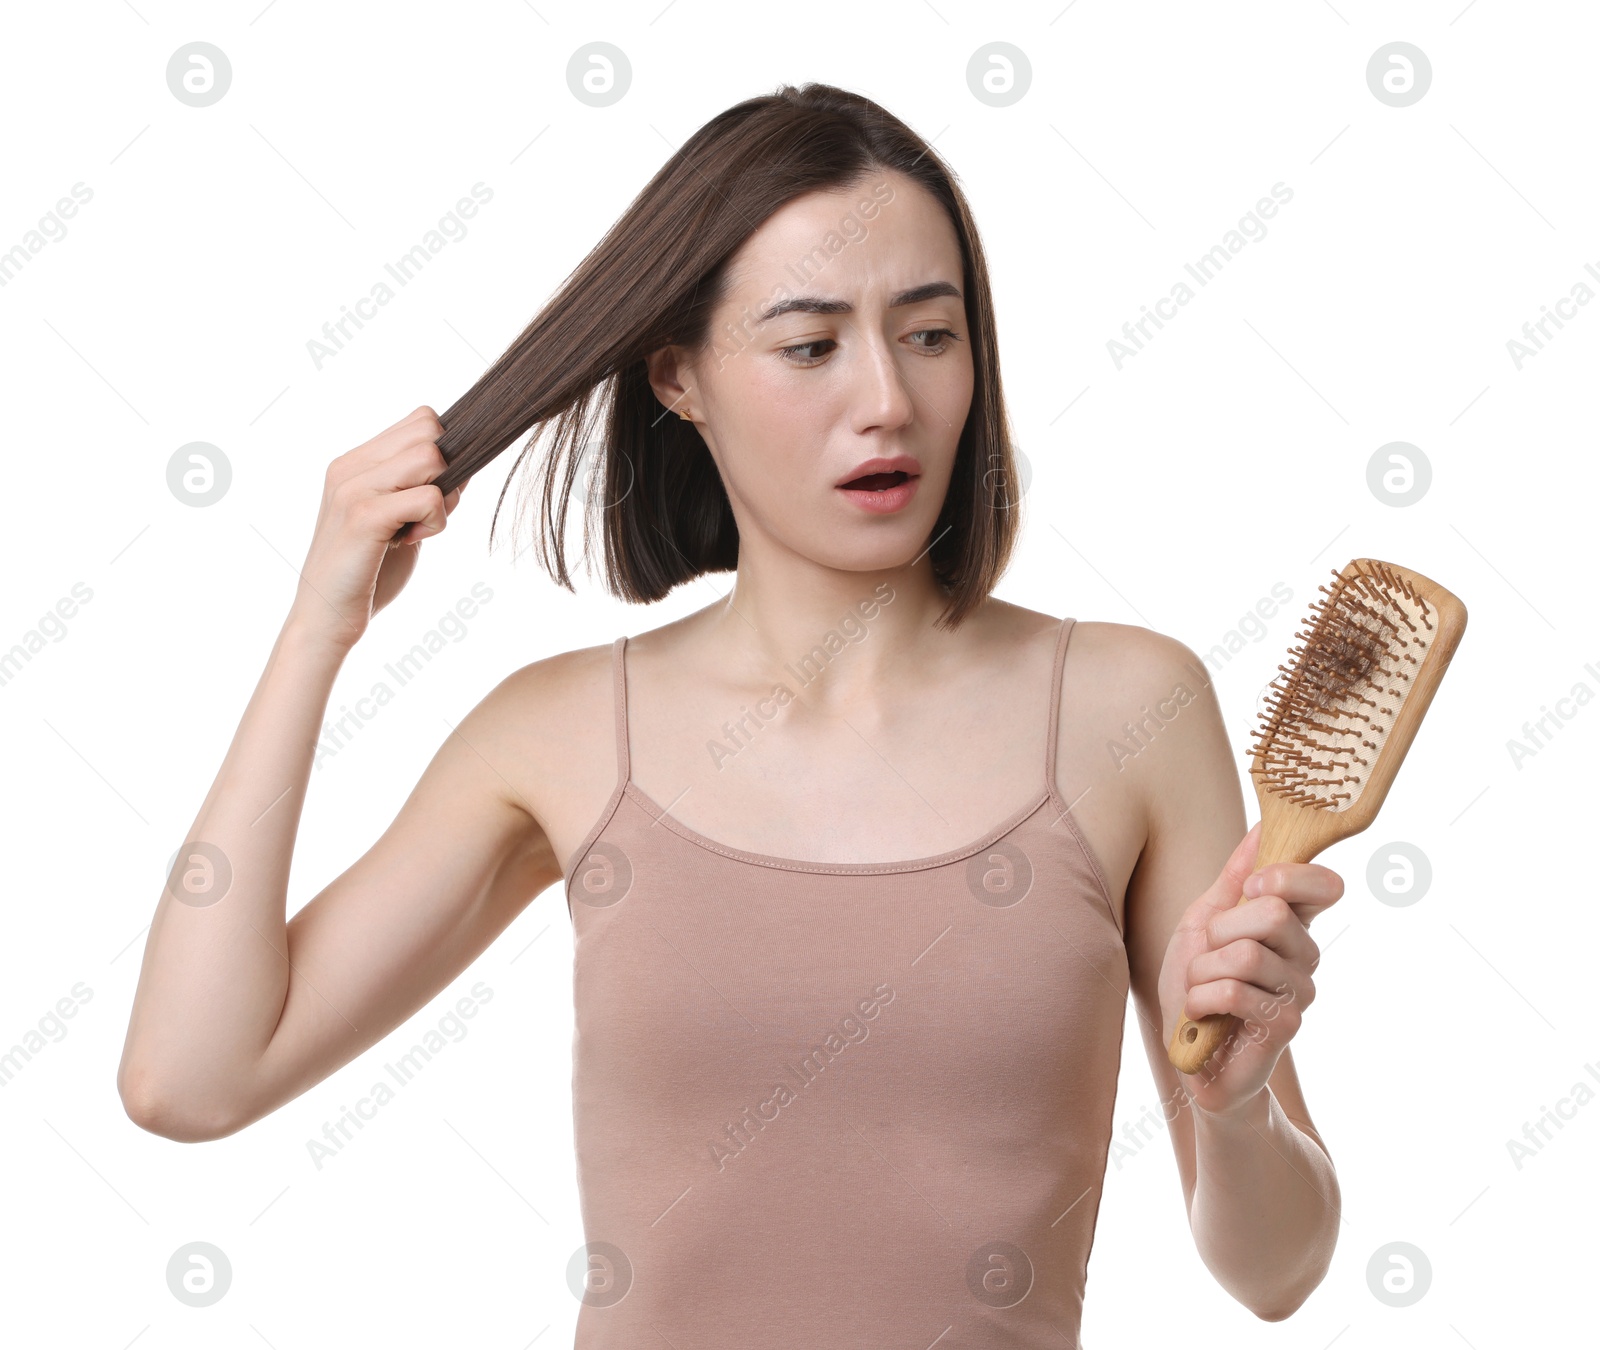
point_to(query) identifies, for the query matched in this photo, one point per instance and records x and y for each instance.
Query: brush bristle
(1329, 714)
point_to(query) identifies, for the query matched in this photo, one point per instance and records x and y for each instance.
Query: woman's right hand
(355, 566)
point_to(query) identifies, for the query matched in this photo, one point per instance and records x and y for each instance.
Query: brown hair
(654, 280)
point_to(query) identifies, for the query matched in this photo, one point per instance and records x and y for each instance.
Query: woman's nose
(883, 397)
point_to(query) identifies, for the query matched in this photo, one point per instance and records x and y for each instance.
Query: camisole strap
(1055, 703)
(619, 679)
(620, 687)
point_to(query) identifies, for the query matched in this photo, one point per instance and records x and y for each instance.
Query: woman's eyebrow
(813, 304)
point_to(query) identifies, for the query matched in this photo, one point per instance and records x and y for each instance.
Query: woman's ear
(672, 378)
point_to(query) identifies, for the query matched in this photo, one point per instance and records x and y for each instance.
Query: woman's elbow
(174, 1116)
(1291, 1301)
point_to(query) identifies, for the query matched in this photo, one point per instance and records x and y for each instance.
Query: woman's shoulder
(1119, 655)
(568, 697)
(574, 690)
(1129, 652)
(555, 682)
(548, 731)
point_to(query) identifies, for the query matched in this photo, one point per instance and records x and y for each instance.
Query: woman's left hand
(1253, 960)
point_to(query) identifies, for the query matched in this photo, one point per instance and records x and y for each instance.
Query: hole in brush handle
(1195, 1041)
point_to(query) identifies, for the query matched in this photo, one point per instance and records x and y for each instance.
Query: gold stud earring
(684, 415)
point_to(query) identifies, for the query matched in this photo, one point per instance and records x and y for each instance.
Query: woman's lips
(881, 493)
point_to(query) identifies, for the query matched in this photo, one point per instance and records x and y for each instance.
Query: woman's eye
(802, 355)
(807, 353)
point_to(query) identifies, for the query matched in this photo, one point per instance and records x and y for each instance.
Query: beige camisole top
(824, 1106)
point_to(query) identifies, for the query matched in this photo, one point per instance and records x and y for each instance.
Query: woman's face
(842, 339)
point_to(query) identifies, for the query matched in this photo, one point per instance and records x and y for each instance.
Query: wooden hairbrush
(1337, 726)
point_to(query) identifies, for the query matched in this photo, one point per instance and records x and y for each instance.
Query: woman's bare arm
(237, 1010)
(1258, 1184)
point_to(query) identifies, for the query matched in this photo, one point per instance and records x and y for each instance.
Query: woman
(858, 893)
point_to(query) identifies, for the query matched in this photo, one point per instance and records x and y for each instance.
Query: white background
(1230, 454)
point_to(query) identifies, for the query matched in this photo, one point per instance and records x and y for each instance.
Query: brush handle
(1193, 1043)
(1287, 835)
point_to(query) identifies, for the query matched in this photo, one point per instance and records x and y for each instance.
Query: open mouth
(876, 482)
(881, 494)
